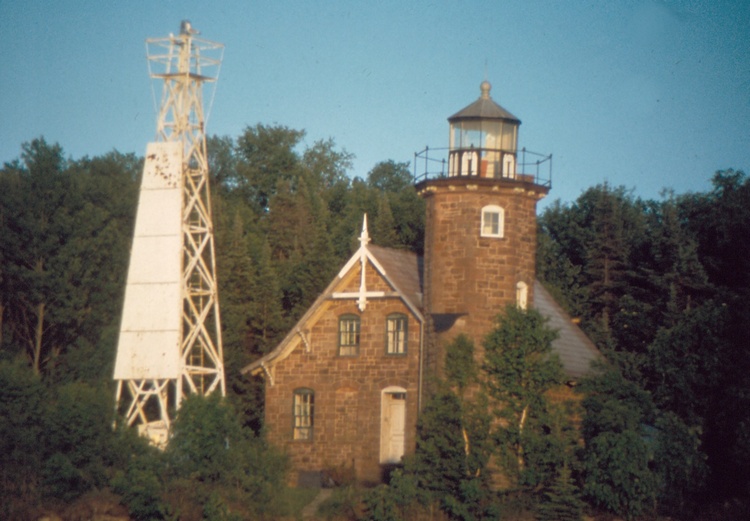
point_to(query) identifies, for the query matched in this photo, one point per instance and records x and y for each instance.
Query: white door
(393, 427)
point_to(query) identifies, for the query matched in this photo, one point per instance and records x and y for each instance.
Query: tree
(269, 156)
(519, 367)
(453, 445)
(21, 426)
(38, 225)
(561, 500)
(383, 226)
(390, 177)
(445, 469)
(66, 230)
(394, 183)
(686, 363)
(327, 166)
(616, 457)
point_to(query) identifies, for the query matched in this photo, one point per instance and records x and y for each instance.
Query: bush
(77, 439)
(141, 490)
(222, 460)
(392, 502)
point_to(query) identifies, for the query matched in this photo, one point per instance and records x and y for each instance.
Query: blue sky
(639, 93)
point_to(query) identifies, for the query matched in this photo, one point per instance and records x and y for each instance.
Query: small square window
(493, 221)
(396, 329)
(349, 335)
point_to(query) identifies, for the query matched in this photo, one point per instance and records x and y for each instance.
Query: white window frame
(496, 229)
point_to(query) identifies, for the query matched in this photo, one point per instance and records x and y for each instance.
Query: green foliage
(392, 502)
(551, 443)
(452, 452)
(685, 361)
(21, 417)
(519, 367)
(679, 463)
(344, 503)
(562, 500)
(77, 434)
(460, 366)
(519, 363)
(440, 459)
(139, 476)
(202, 435)
(662, 287)
(618, 477)
(210, 448)
(64, 242)
(216, 509)
(617, 456)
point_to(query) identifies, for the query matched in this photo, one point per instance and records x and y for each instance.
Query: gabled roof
(575, 349)
(401, 269)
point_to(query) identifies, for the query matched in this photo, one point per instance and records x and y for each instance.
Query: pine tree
(561, 500)
(383, 228)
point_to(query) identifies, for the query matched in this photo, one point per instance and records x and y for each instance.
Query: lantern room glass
(483, 147)
(493, 134)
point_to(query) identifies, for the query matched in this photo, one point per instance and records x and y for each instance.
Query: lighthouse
(480, 231)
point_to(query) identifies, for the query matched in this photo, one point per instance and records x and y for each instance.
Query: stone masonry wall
(347, 406)
(469, 277)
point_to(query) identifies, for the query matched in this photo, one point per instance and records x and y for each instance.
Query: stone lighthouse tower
(480, 234)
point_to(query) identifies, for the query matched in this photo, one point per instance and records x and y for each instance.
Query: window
(395, 334)
(493, 221)
(348, 335)
(304, 400)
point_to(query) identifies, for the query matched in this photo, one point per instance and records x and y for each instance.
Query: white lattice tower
(170, 339)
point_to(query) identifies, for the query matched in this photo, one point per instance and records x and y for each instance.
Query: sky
(636, 93)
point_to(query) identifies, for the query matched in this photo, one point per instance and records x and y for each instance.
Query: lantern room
(483, 139)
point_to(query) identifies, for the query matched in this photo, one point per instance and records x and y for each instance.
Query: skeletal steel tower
(170, 335)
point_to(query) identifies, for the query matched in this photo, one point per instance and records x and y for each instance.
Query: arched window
(348, 335)
(522, 294)
(395, 334)
(302, 413)
(493, 221)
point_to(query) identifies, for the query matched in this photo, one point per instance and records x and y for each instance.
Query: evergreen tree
(561, 500)
(383, 227)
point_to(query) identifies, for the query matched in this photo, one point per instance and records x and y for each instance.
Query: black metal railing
(438, 163)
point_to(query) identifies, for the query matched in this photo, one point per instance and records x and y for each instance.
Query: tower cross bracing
(170, 339)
